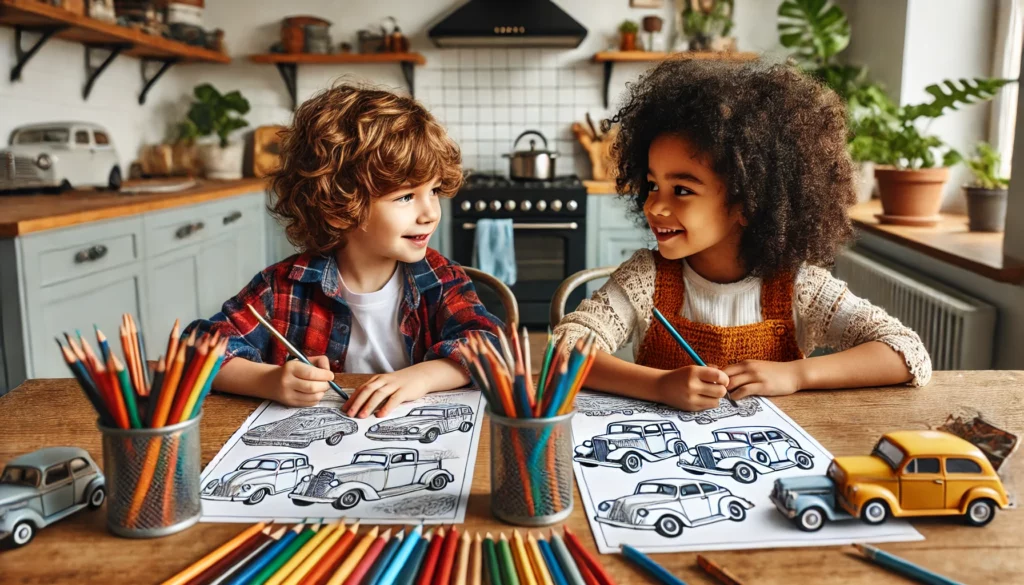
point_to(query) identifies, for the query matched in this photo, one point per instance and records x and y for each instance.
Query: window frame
(46, 474)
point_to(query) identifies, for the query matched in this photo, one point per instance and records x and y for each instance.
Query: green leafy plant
(214, 113)
(628, 26)
(984, 165)
(702, 25)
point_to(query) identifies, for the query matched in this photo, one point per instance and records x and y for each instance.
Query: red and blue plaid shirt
(301, 296)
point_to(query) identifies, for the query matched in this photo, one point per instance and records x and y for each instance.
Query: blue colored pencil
(903, 567)
(682, 343)
(652, 568)
(258, 563)
(384, 560)
(206, 389)
(400, 557)
(407, 576)
(549, 559)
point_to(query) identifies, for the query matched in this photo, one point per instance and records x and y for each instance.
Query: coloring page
(664, 480)
(288, 464)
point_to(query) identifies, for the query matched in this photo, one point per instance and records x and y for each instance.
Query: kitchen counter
(23, 214)
(599, 187)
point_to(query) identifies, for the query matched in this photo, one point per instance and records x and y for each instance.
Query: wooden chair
(508, 300)
(572, 283)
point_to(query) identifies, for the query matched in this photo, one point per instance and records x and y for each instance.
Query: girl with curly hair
(741, 173)
(362, 170)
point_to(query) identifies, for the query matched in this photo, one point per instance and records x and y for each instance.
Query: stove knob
(556, 205)
(466, 206)
(510, 205)
(481, 205)
(526, 205)
(571, 205)
(542, 205)
(496, 205)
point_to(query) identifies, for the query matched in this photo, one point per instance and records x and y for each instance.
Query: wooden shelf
(288, 65)
(610, 58)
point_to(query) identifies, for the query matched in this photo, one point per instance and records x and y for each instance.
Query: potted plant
(214, 113)
(627, 35)
(986, 196)
(704, 22)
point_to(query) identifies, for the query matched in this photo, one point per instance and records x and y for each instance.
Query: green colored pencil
(491, 560)
(508, 565)
(128, 392)
(548, 353)
(284, 556)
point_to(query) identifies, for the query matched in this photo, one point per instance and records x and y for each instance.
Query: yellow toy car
(919, 473)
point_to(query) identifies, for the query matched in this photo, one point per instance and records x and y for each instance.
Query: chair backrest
(570, 284)
(508, 300)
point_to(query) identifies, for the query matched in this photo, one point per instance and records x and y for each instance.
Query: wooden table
(43, 413)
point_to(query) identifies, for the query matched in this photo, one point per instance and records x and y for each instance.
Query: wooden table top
(42, 413)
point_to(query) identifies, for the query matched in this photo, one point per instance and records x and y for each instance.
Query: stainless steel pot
(533, 164)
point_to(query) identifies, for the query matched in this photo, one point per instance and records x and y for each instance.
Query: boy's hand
(385, 391)
(296, 384)
(692, 387)
(762, 378)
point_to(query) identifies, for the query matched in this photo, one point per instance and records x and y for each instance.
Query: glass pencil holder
(152, 478)
(531, 469)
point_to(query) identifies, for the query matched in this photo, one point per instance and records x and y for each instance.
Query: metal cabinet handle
(232, 217)
(187, 230)
(572, 225)
(91, 254)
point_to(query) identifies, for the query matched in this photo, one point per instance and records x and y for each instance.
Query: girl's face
(400, 224)
(686, 206)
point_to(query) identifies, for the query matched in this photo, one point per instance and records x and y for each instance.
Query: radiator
(957, 329)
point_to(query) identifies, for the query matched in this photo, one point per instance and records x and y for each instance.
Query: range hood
(508, 23)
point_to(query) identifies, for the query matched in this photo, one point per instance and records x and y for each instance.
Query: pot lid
(533, 144)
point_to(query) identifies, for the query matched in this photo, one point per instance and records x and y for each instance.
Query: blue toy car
(808, 501)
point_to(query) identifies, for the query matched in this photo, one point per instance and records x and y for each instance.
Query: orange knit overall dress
(773, 339)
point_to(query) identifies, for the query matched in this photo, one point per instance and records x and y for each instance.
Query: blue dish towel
(495, 250)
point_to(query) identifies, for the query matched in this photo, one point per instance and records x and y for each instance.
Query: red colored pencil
(444, 565)
(586, 559)
(430, 562)
(188, 380)
(367, 561)
(331, 559)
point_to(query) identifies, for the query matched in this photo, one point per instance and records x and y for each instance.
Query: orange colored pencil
(353, 559)
(172, 341)
(317, 557)
(116, 393)
(223, 550)
(188, 381)
(330, 560)
(170, 386)
(366, 562)
(430, 560)
(129, 354)
(447, 560)
(133, 340)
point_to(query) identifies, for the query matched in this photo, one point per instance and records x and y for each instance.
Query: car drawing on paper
(372, 475)
(42, 487)
(744, 407)
(743, 452)
(259, 477)
(302, 428)
(628, 444)
(668, 505)
(59, 155)
(424, 423)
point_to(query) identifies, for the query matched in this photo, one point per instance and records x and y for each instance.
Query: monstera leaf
(950, 95)
(816, 29)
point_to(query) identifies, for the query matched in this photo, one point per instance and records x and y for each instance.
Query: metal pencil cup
(531, 469)
(152, 479)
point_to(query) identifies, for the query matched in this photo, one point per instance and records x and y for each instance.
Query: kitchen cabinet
(612, 234)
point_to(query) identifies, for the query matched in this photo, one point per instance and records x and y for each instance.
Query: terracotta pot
(911, 193)
(986, 209)
(628, 42)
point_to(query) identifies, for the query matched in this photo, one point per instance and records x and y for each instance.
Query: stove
(549, 231)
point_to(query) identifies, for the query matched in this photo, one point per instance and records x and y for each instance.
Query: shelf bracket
(607, 80)
(148, 82)
(409, 72)
(92, 73)
(290, 75)
(23, 55)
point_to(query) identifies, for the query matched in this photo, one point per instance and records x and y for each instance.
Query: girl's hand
(761, 378)
(692, 387)
(296, 384)
(389, 390)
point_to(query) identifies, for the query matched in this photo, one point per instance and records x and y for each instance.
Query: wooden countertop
(599, 187)
(847, 422)
(949, 241)
(24, 214)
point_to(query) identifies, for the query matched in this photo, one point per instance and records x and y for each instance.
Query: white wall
(877, 40)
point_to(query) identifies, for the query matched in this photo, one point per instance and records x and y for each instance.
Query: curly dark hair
(775, 137)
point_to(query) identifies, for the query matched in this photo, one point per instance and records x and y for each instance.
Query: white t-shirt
(375, 344)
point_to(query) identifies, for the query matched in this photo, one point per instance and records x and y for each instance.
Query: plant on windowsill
(213, 113)
(986, 196)
(627, 35)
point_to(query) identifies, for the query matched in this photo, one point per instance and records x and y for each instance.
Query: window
(889, 452)
(923, 465)
(689, 490)
(957, 465)
(656, 488)
(101, 138)
(49, 135)
(79, 465)
(775, 436)
(652, 430)
(290, 464)
(300, 462)
(465, 410)
(668, 428)
(20, 476)
(81, 137)
(259, 464)
(396, 458)
(374, 458)
(757, 438)
(709, 487)
(408, 457)
(57, 474)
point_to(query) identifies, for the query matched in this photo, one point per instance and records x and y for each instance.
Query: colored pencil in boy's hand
(686, 346)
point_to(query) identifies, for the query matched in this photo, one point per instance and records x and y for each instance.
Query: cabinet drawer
(176, 228)
(59, 255)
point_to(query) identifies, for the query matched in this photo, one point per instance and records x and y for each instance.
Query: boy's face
(400, 224)
(686, 206)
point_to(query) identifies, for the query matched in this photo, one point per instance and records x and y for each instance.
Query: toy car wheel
(811, 519)
(464, 427)
(97, 497)
(257, 497)
(302, 503)
(874, 512)
(65, 185)
(114, 180)
(631, 463)
(335, 439)
(23, 533)
(668, 526)
(761, 457)
(980, 512)
(744, 473)
(430, 436)
(737, 512)
(438, 483)
(347, 500)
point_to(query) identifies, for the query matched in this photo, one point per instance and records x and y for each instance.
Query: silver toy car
(259, 477)
(42, 487)
(425, 423)
(60, 155)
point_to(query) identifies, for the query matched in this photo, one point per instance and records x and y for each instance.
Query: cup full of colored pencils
(150, 424)
(530, 422)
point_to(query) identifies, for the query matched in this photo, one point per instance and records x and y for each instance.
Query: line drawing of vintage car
(425, 423)
(302, 428)
(668, 505)
(628, 444)
(60, 155)
(42, 487)
(258, 477)
(373, 474)
(744, 407)
(743, 452)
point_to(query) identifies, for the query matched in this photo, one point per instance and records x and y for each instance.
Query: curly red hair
(347, 145)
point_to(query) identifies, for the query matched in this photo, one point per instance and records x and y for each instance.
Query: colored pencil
(355, 555)
(196, 568)
(448, 551)
(368, 559)
(154, 392)
(127, 393)
(540, 568)
(507, 562)
(101, 340)
(476, 564)
(574, 543)
(557, 575)
(113, 393)
(224, 564)
(717, 572)
(170, 387)
(291, 348)
(897, 565)
(549, 350)
(430, 562)
(650, 567)
(347, 542)
(683, 344)
(85, 380)
(523, 565)
(286, 553)
(326, 536)
(565, 560)
(531, 391)
(249, 572)
(205, 391)
(400, 557)
(491, 561)
(141, 352)
(188, 379)
(316, 570)
(245, 561)
(204, 381)
(384, 560)
(462, 560)
(412, 566)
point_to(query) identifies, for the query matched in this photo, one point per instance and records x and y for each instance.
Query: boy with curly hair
(741, 173)
(358, 188)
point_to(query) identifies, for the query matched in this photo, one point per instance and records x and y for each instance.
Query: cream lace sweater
(825, 312)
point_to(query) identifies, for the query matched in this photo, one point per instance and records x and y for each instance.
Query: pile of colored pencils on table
(333, 554)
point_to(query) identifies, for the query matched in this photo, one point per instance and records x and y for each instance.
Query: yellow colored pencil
(354, 556)
(462, 560)
(303, 553)
(476, 562)
(211, 359)
(522, 561)
(539, 566)
(311, 561)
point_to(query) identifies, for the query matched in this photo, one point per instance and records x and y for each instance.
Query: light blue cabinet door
(173, 283)
(220, 269)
